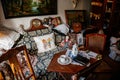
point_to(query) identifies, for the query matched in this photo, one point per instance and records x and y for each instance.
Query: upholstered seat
(17, 64)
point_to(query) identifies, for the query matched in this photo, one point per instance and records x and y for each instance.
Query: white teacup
(63, 58)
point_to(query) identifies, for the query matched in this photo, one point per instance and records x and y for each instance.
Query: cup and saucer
(64, 60)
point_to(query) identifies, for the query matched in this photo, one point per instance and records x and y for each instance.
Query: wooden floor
(107, 70)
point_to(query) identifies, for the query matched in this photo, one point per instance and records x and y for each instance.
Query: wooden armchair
(95, 41)
(11, 56)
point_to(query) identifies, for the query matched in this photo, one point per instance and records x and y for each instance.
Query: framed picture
(75, 16)
(80, 39)
(24, 8)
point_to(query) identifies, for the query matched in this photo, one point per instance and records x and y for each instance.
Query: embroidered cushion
(45, 42)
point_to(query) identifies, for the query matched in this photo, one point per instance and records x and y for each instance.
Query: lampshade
(62, 29)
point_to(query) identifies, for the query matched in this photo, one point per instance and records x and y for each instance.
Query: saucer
(68, 61)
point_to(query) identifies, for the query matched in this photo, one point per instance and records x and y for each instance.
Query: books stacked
(80, 59)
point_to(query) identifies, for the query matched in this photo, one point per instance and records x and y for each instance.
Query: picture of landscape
(22, 8)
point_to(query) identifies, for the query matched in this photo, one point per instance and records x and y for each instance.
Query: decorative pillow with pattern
(27, 39)
(45, 43)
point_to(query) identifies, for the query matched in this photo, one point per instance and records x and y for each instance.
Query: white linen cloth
(113, 49)
(7, 38)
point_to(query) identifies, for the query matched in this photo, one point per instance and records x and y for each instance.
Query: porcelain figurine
(74, 50)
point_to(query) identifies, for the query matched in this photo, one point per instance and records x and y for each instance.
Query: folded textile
(8, 38)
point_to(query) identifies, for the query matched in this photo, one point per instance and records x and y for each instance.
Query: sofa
(41, 59)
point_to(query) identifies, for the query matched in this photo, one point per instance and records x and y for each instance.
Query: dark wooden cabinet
(115, 19)
(108, 13)
(97, 13)
(105, 14)
(109, 4)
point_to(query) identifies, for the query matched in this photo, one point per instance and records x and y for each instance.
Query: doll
(67, 42)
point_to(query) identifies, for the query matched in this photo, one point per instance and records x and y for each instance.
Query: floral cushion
(28, 40)
(45, 43)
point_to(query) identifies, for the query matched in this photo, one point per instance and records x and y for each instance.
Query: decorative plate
(68, 61)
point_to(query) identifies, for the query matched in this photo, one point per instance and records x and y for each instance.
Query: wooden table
(71, 69)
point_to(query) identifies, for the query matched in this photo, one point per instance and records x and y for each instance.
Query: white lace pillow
(45, 43)
(7, 38)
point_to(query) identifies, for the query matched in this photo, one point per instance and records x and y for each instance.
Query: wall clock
(36, 23)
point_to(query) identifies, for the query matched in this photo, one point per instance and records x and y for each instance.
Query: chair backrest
(1, 76)
(16, 65)
(95, 41)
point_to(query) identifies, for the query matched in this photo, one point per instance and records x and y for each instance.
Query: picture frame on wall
(25, 8)
(73, 16)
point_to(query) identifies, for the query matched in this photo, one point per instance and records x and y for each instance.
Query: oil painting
(24, 8)
(73, 16)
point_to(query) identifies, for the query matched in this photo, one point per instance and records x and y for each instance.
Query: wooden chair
(1, 76)
(95, 40)
(11, 56)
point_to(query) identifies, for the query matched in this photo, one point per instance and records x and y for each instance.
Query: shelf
(95, 3)
(109, 1)
(108, 11)
(97, 13)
